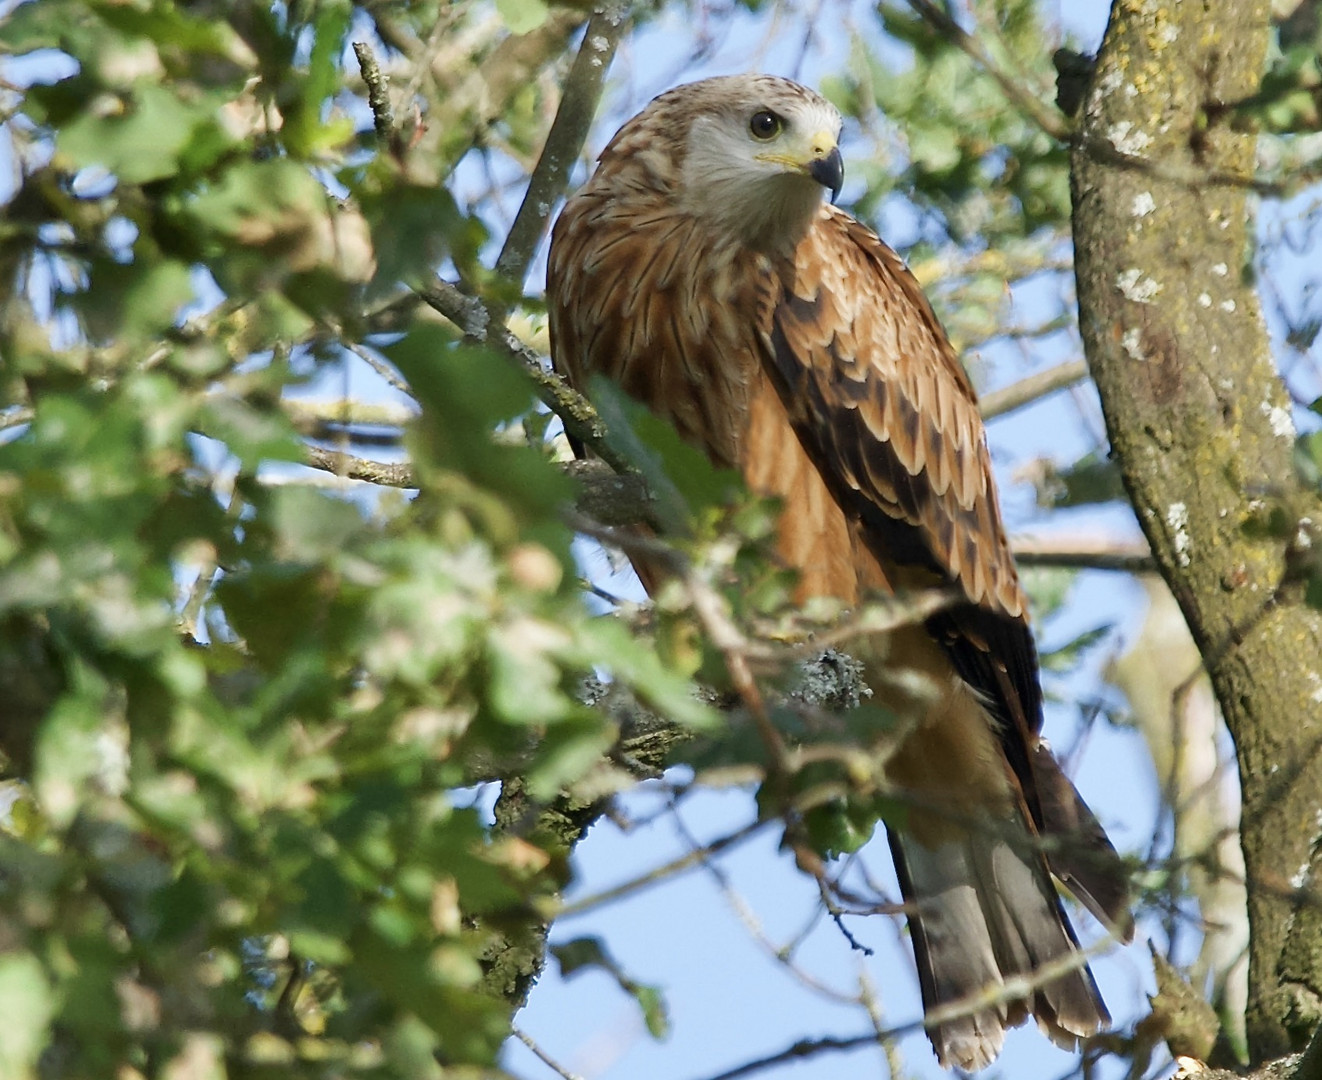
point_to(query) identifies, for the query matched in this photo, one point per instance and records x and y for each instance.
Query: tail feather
(1079, 852)
(986, 911)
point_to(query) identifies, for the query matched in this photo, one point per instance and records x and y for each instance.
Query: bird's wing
(879, 399)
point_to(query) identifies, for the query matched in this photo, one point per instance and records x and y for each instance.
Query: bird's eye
(765, 125)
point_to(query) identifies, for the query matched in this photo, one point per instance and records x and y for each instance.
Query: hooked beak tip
(829, 171)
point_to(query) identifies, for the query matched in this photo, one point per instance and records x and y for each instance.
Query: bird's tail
(984, 911)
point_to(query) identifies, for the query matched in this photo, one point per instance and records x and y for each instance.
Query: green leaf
(833, 831)
(465, 385)
(320, 948)
(305, 132)
(167, 25)
(466, 392)
(413, 226)
(255, 436)
(136, 302)
(1313, 591)
(96, 964)
(272, 214)
(522, 16)
(330, 906)
(1091, 479)
(934, 147)
(180, 907)
(524, 679)
(71, 753)
(681, 477)
(28, 1005)
(308, 524)
(274, 607)
(590, 952)
(471, 1026)
(607, 643)
(1068, 656)
(140, 138)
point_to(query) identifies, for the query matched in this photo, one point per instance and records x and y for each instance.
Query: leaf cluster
(241, 709)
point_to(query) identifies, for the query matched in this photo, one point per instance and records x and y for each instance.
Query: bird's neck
(769, 217)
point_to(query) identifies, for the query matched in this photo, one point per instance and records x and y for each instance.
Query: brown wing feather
(878, 397)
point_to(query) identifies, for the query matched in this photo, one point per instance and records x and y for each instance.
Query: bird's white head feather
(755, 182)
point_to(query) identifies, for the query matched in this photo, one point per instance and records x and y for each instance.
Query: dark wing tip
(1079, 852)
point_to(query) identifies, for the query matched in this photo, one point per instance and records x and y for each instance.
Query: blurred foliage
(241, 709)
(1290, 99)
(241, 704)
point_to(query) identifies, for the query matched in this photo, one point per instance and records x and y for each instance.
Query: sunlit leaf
(522, 16)
(27, 1005)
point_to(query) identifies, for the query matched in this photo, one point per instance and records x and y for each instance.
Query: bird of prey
(701, 269)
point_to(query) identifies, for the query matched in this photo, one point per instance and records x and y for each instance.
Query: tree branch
(1084, 553)
(569, 130)
(1029, 389)
(1196, 176)
(476, 320)
(1198, 421)
(378, 97)
(388, 474)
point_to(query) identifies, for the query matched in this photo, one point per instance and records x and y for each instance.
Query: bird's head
(752, 154)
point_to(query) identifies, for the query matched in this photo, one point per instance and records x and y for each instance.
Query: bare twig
(710, 608)
(1007, 264)
(1084, 553)
(378, 365)
(197, 596)
(569, 130)
(687, 861)
(809, 1048)
(867, 992)
(1014, 988)
(753, 925)
(474, 318)
(191, 612)
(1027, 390)
(312, 415)
(387, 474)
(16, 417)
(542, 1055)
(378, 97)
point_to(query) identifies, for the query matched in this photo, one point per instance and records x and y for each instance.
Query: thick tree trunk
(1200, 424)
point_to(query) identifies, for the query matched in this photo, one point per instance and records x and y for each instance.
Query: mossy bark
(1199, 422)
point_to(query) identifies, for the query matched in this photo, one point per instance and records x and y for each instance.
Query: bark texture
(1200, 424)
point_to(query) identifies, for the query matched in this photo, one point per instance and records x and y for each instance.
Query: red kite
(701, 269)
